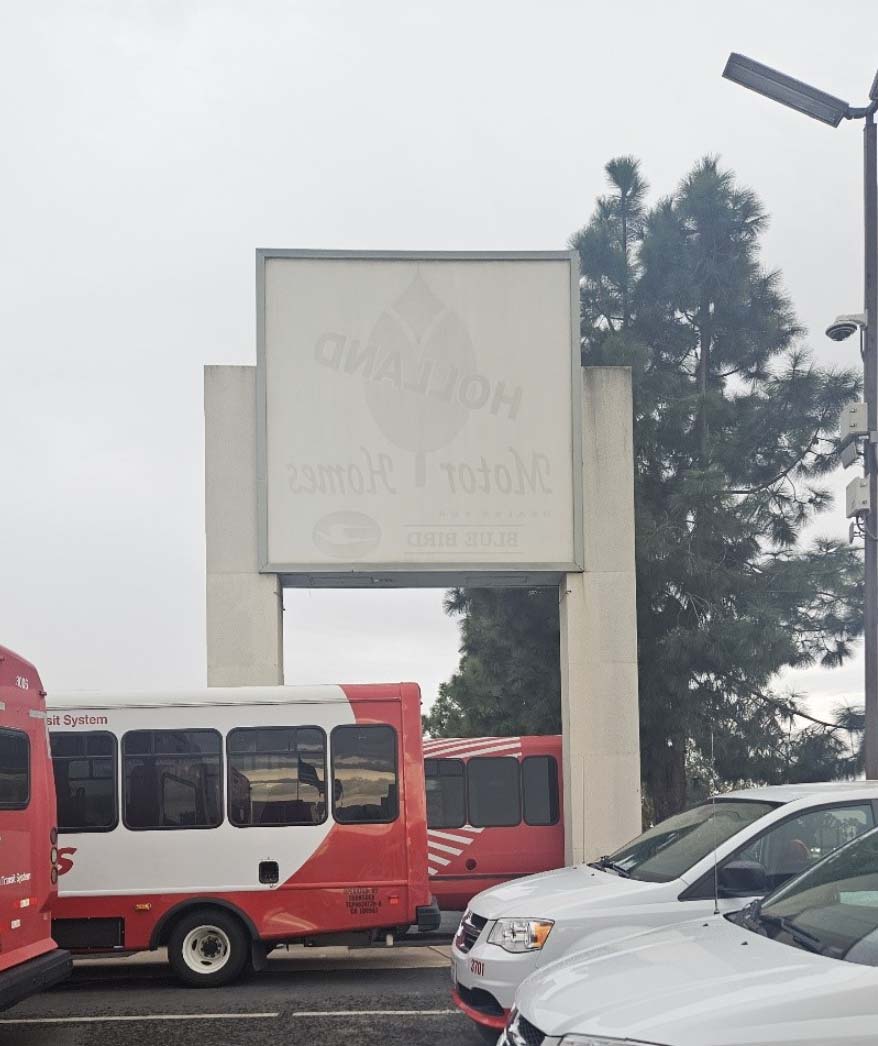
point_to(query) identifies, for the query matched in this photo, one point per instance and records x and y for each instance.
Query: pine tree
(734, 428)
(509, 680)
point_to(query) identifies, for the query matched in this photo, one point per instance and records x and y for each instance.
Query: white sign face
(417, 413)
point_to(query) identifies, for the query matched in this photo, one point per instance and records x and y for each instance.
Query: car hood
(556, 894)
(706, 982)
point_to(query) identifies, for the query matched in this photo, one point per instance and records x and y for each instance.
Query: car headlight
(520, 935)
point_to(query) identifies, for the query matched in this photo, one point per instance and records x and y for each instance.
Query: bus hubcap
(206, 949)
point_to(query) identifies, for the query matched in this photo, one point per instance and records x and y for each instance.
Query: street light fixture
(786, 89)
(831, 110)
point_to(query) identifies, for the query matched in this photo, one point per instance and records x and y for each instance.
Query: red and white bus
(220, 823)
(493, 812)
(29, 959)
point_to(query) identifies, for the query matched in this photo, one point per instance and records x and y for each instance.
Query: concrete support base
(599, 697)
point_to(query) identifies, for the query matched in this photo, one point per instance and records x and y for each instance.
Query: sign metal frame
(411, 575)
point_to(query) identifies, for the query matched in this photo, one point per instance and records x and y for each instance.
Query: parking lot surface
(370, 997)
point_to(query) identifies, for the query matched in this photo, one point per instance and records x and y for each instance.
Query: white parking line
(228, 1016)
(142, 1017)
(373, 1013)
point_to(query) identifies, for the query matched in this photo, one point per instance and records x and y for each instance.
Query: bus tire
(208, 948)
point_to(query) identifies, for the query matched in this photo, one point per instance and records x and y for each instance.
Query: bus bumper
(429, 916)
(32, 976)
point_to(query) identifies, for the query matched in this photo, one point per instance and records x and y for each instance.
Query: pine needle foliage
(735, 428)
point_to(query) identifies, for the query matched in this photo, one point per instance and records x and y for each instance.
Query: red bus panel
(494, 812)
(29, 958)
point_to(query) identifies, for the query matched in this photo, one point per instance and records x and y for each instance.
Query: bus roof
(11, 658)
(325, 693)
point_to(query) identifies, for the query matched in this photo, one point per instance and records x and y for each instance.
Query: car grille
(470, 927)
(521, 1032)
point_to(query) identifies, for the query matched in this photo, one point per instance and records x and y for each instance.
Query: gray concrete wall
(599, 698)
(244, 607)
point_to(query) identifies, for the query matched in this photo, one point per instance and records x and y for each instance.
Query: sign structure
(418, 417)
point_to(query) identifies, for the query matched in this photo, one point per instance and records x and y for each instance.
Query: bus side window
(171, 779)
(277, 775)
(539, 790)
(493, 791)
(14, 770)
(446, 793)
(365, 782)
(85, 766)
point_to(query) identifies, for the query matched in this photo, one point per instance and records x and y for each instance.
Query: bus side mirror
(742, 879)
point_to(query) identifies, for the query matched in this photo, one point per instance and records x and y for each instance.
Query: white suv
(735, 848)
(799, 968)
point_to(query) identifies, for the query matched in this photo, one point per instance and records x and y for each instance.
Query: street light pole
(870, 375)
(810, 101)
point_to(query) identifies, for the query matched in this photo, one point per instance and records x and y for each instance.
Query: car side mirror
(742, 879)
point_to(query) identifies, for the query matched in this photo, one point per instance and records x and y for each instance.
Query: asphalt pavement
(367, 997)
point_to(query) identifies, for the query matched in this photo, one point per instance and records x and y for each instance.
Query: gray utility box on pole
(857, 497)
(853, 422)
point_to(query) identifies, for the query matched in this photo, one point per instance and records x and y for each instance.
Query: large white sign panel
(418, 414)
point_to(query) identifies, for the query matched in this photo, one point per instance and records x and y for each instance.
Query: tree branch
(786, 471)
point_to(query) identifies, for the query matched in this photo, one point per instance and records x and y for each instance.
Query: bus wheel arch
(162, 929)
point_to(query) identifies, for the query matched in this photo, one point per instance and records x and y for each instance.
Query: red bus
(29, 959)
(493, 812)
(223, 822)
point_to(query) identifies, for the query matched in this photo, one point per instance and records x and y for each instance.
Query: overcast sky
(149, 147)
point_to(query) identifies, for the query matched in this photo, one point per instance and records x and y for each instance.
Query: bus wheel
(208, 948)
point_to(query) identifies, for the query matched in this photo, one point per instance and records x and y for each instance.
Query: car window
(797, 843)
(831, 909)
(673, 846)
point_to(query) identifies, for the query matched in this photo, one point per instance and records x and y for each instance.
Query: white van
(740, 846)
(798, 969)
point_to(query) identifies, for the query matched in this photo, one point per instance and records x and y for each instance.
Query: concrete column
(599, 698)
(244, 607)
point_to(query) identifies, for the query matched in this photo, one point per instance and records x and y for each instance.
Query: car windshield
(669, 849)
(833, 908)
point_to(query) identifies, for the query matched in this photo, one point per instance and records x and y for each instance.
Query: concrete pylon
(244, 607)
(599, 698)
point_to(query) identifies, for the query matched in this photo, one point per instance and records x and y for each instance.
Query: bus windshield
(673, 846)
(833, 908)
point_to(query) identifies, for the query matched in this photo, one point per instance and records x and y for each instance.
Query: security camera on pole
(859, 422)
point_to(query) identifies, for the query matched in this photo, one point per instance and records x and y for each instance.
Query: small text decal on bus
(14, 879)
(76, 720)
(362, 900)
